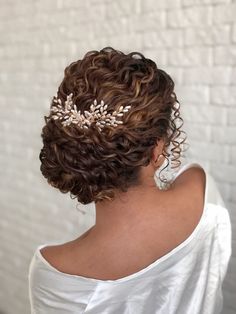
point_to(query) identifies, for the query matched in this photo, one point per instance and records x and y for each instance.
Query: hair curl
(91, 164)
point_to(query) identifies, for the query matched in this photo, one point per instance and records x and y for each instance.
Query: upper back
(187, 279)
(120, 255)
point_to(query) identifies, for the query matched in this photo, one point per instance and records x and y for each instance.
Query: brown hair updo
(91, 164)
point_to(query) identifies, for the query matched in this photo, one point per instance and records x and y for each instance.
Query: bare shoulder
(55, 254)
(194, 176)
(190, 186)
(59, 257)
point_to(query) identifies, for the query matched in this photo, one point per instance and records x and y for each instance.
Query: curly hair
(90, 164)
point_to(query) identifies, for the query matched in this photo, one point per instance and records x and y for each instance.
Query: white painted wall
(193, 40)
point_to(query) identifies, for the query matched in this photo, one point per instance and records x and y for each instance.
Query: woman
(155, 247)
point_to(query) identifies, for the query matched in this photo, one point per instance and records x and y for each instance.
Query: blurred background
(192, 40)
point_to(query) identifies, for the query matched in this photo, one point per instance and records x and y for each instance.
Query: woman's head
(92, 164)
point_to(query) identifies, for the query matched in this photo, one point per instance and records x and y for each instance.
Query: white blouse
(186, 280)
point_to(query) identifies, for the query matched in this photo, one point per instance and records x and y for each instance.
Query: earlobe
(159, 160)
(158, 150)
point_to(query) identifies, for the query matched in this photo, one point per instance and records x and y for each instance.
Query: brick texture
(193, 40)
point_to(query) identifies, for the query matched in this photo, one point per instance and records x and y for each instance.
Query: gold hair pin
(97, 113)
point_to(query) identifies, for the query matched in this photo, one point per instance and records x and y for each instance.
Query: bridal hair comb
(97, 113)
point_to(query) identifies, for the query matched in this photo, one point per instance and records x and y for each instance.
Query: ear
(158, 149)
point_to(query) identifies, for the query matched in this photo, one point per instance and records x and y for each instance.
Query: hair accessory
(97, 113)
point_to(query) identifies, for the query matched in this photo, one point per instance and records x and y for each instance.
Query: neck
(127, 209)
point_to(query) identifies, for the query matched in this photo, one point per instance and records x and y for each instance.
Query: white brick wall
(193, 40)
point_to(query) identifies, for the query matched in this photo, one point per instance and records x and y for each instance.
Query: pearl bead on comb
(97, 113)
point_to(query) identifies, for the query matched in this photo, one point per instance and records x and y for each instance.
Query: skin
(117, 214)
(136, 228)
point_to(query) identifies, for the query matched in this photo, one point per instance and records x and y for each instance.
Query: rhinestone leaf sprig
(97, 113)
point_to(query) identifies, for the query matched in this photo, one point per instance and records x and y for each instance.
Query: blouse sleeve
(214, 196)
